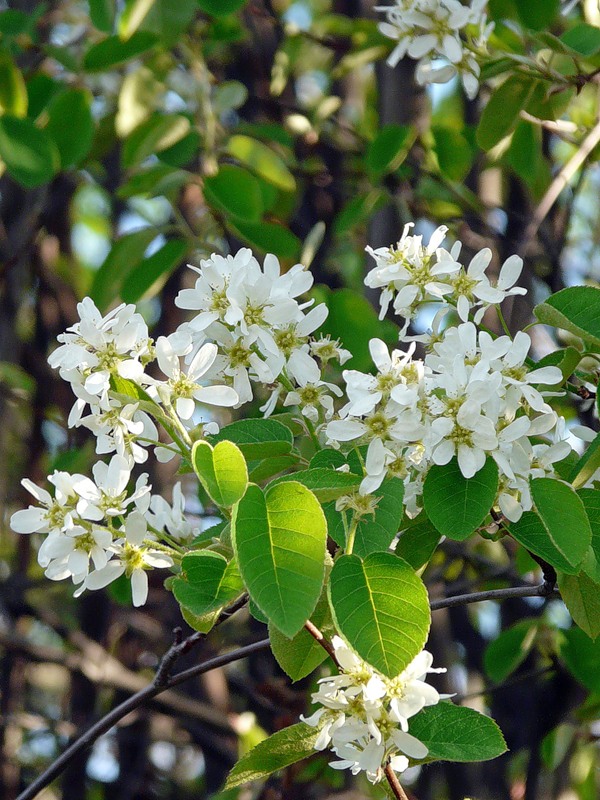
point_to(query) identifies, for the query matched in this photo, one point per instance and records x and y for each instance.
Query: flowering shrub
(463, 439)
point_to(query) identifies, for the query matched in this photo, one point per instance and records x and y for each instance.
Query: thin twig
(129, 705)
(558, 184)
(320, 639)
(394, 783)
(542, 590)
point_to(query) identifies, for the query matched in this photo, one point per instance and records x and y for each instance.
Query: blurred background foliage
(138, 135)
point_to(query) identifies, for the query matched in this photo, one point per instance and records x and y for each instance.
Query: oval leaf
(456, 505)
(457, 733)
(279, 538)
(325, 484)
(501, 114)
(563, 515)
(30, 155)
(576, 309)
(504, 654)
(531, 533)
(222, 471)
(236, 192)
(381, 607)
(208, 582)
(74, 139)
(257, 438)
(278, 751)
(261, 160)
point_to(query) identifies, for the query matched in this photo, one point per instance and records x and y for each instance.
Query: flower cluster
(363, 715)
(472, 396)
(87, 540)
(410, 273)
(263, 333)
(427, 30)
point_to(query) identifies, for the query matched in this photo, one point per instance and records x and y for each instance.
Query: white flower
(132, 558)
(363, 716)
(172, 517)
(54, 513)
(311, 398)
(106, 495)
(182, 388)
(97, 348)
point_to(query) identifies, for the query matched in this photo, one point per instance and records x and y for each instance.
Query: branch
(558, 184)
(542, 590)
(129, 705)
(394, 783)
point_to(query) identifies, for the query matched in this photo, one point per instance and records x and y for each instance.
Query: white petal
(139, 587)
(217, 396)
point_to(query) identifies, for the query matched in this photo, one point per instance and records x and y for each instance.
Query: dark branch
(542, 590)
(133, 702)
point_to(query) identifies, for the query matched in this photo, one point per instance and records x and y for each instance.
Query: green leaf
(375, 532)
(269, 237)
(327, 457)
(583, 39)
(157, 133)
(381, 608)
(389, 149)
(71, 125)
(235, 191)
(539, 15)
(261, 160)
(262, 470)
(456, 505)
(132, 16)
(257, 438)
(358, 210)
(221, 470)
(582, 657)
(30, 155)
(563, 515)
(102, 14)
(125, 255)
(581, 595)
(587, 465)
(159, 264)
(417, 544)
(279, 537)
(576, 309)
(229, 95)
(501, 114)
(531, 533)
(504, 653)
(169, 20)
(301, 655)
(208, 582)
(13, 91)
(325, 484)
(159, 179)
(591, 502)
(112, 51)
(280, 750)
(454, 153)
(457, 733)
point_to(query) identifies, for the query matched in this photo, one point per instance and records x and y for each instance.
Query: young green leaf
(381, 607)
(504, 653)
(13, 91)
(112, 51)
(325, 484)
(581, 595)
(277, 752)
(257, 438)
(279, 538)
(563, 515)
(417, 543)
(149, 270)
(236, 192)
(221, 470)
(208, 582)
(261, 160)
(125, 255)
(75, 139)
(456, 505)
(501, 113)
(531, 533)
(457, 733)
(576, 309)
(30, 154)
(389, 149)
(302, 654)
(587, 465)
(582, 657)
(157, 133)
